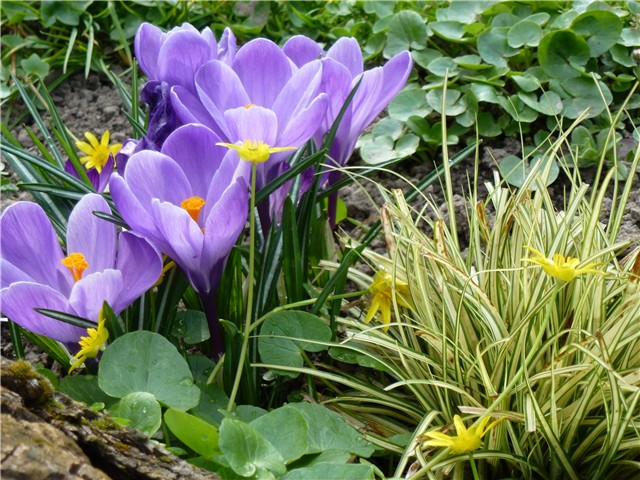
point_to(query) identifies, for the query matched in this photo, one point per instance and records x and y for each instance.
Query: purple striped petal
(19, 301)
(263, 69)
(189, 109)
(9, 274)
(91, 236)
(255, 124)
(227, 47)
(193, 148)
(30, 244)
(302, 50)
(89, 293)
(141, 266)
(347, 52)
(146, 46)
(306, 122)
(132, 210)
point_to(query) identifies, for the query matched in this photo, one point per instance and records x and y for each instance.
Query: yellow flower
(91, 345)
(464, 441)
(561, 267)
(254, 151)
(97, 152)
(382, 289)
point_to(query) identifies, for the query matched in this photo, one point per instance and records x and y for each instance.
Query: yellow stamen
(76, 263)
(249, 105)
(254, 151)
(193, 205)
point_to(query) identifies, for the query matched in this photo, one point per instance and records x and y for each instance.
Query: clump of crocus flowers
(183, 188)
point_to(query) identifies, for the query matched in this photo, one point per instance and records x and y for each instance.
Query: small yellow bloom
(561, 267)
(382, 289)
(91, 345)
(254, 151)
(97, 152)
(464, 441)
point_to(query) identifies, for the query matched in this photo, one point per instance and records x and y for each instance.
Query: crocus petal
(336, 81)
(19, 301)
(263, 69)
(302, 127)
(181, 55)
(300, 90)
(227, 47)
(141, 266)
(230, 169)
(189, 109)
(30, 244)
(91, 236)
(220, 89)
(255, 124)
(193, 147)
(155, 175)
(133, 211)
(364, 100)
(347, 52)
(9, 274)
(146, 46)
(226, 221)
(88, 294)
(302, 50)
(184, 239)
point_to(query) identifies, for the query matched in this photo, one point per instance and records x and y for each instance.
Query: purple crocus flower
(191, 200)
(342, 69)
(100, 266)
(261, 81)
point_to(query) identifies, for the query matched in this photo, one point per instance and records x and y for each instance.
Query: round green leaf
(526, 33)
(147, 362)
(472, 62)
(34, 65)
(454, 104)
(348, 471)
(247, 451)
(493, 46)
(285, 334)
(285, 429)
(443, 66)
(141, 409)
(526, 82)
(409, 103)
(196, 434)
(448, 29)
(407, 31)
(389, 126)
(560, 52)
(515, 107)
(600, 28)
(68, 12)
(548, 104)
(191, 326)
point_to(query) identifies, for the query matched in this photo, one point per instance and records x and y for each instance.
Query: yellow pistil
(254, 151)
(193, 205)
(561, 267)
(91, 345)
(464, 441)
(97, 152)
(382, 289)
(76, 263)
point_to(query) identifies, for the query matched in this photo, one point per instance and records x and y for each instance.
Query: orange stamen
(76, 263)
(193, 205)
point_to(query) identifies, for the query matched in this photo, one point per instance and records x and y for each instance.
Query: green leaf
(523, 33)
(287, 430)
(448, 29)
(494, 48)
(355, 357)
(34, 65)
(600, 28)
(630, 37)
(283, 335)
(328, 430)
(515, 171)
(455, 103)
(191, 326)
(380, 7)
(549, 103)
(84, 388)
(409, 103)
(327, 456)
(212, 397)
(407, 31)
(147, 362)
(443, 66)
(583, 94)
(424, 57)
(376, 150)
(390, 127)
(526, 82)
(196, 434)
(518, 110)
(141, 409)
(560, 52)
(247, 451)
(67, 12)
(349, 471)
(472, 62)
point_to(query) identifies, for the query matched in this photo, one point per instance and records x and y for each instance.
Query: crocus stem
(247, 325)
(209, 304)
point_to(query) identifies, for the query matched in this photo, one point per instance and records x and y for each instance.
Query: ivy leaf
(407, 31)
